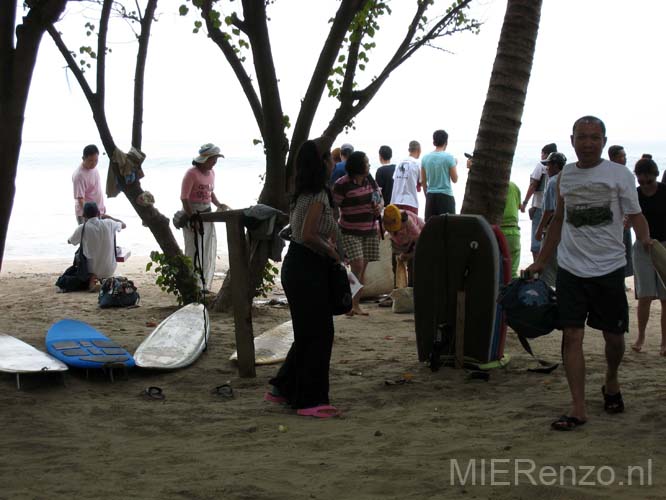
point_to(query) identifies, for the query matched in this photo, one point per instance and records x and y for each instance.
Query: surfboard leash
(198, 268)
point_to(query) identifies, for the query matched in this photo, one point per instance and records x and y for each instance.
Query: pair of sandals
(613, 404)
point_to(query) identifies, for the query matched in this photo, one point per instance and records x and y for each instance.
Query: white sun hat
(206, 151)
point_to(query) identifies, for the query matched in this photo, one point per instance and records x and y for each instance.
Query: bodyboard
(499, 331)
(456, 252)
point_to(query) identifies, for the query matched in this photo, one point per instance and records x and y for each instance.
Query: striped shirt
(357, 215)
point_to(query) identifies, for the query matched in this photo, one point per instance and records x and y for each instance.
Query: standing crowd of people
(582, 214)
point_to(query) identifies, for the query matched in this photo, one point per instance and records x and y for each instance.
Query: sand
(92, 438)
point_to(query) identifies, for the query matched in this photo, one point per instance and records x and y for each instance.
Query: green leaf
(183, 10)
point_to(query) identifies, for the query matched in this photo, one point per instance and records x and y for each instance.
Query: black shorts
(601, 300)
(438, 204)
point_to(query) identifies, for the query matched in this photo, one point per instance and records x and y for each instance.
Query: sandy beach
(91, 438)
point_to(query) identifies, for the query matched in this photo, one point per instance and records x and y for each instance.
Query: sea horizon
(43, 212)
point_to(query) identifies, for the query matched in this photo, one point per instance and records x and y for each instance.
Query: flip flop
(613, 403)
(272, 398)
(567, 423)
(224, 391)
(321, 411)
(153, 392)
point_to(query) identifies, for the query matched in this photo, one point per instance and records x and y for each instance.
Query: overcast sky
(602, 57)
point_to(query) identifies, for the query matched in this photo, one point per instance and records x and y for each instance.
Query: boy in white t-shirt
(406, 180)
(538, 181)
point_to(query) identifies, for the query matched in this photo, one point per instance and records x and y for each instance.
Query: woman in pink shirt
(197, 194)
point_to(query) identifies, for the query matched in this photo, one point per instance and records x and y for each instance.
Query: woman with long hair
(302, 381)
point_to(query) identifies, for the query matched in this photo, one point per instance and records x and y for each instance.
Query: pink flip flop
(321, 411)
(272, 398)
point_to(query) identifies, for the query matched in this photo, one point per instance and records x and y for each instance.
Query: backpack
(117, 291)
(531, 311)
(76, 277)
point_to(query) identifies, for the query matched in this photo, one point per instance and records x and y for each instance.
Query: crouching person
(97, 238)
(404, 228)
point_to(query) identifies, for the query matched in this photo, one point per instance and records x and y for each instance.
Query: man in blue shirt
(438, 171)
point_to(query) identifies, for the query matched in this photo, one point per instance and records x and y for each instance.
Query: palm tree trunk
(487, 184)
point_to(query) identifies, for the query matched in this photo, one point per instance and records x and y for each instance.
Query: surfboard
(177, 341)
(272, 346)
(79, 345)
(658, 256)
(456, 253)
(18, 357)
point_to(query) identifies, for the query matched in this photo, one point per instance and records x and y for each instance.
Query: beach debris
(356, 373)
(378, 433)
(151, 324)
(282, 428)
(388, 337)
(251, 429)
(406, 379)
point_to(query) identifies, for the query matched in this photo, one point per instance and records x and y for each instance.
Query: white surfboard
(18, 357)
(177, 341)
(271, 346)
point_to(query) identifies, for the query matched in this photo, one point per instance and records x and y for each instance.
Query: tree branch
(139, 74)
(72, 65)
(222, 42)
(343, 18)
(101, 52)
(352, 102)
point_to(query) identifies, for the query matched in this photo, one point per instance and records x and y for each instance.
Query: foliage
(176, 276)
(268, 276)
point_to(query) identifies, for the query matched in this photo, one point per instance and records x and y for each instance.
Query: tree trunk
(488, 181)
(17, 65)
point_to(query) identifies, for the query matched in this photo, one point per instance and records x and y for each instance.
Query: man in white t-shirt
(98, 242)
(87, 184)
(538, 181)
(594, 195)
(406, 180)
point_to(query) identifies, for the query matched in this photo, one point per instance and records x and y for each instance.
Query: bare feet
(662, 350)
(638, 345)
(359, 311)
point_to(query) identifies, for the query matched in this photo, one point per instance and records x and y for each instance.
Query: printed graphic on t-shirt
(589, 205)
(202, 191)
(586, 215)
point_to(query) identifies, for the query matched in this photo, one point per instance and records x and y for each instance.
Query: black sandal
(613, 403)
(567, 423)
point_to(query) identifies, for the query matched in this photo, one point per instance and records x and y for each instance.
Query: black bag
(117, 292)
(76, 277)
(531, 311)
(339, 296)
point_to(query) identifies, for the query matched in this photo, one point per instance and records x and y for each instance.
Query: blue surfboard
(79, 345)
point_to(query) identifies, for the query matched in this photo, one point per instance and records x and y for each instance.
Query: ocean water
(43, 213)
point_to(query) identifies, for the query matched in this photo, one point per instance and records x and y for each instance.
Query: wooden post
(460, 330)
(240, 293)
